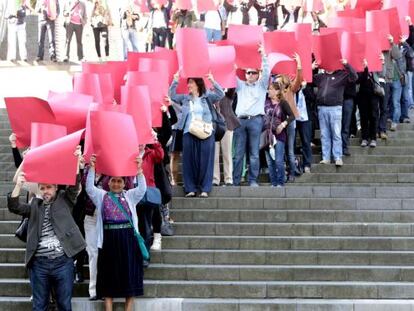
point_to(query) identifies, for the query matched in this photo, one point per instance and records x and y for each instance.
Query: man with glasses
(251, 96)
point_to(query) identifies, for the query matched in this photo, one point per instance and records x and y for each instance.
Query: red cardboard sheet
(54, 162)
(327, 51)
(303, 34)
(183, 4)
(158, 88)
(282, 64)
(70, 109)
(22, 112)
(350, 24)
(379, 23)
(373, 51)
(280, 42)
(138, 105)
(115, 143)
(222, 65)
(43, 133)
(118, 71)
(403, 8)
(246, 40)
(356, 13)
(171, 57)
(206, 5)
(368, 5)
(192, 52)
(353, 49)
(89, 84)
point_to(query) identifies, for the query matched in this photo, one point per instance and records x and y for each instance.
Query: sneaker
(393, 127)
(203, 195)
(383, 136)
(307, 170)
(325, 162)
(216, 184)
(254, 184)
(291, 178)
(352, 136)
(364, 143)
(373, 143)
(228, 184)
(339, 162)
(406, 120)
(156, 244)
(190, 195)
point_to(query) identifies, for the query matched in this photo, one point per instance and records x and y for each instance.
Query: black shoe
(346, 153)
(229, 184)
(39, 59)
(53, 58)
(93, 298)
(66, 60)
(146, 263)
(79, 277)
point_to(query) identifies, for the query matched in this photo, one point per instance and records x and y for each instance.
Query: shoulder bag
(219, 123)
(267, 138)
(140, 240)
(21, 231)
(198, 127)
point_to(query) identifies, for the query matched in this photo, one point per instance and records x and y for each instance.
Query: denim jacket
(184, 100)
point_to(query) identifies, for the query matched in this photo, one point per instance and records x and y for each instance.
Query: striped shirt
(49, 244)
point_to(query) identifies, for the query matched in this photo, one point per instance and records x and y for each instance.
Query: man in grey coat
(53, 239)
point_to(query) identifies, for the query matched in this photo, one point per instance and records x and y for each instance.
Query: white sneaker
(156, 244)
(325, 162)
(373, 143)
(339, 162)
(393, 127)
(307, 169)
(364, 143)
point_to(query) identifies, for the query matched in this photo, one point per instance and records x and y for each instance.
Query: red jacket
(151, 156)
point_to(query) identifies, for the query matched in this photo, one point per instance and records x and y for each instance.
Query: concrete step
(202, 272)
(295, 229)
(356, 178)
(297, 190)
(191, 304)
(363, 168)
(238, 203)
(285, 242)
(246, 289)
(291, 216)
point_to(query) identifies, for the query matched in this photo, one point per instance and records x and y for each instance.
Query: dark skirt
(120, 265)
(177, 141)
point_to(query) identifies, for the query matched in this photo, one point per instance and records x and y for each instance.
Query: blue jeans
(395, 93)
(249, 129)
(130, 41)
(410, 89)
(407, 99)
(46, 273)
(213, 35)
(277, 166)
(330, 121)
(291, 131)
(347, 108)
(305, 133)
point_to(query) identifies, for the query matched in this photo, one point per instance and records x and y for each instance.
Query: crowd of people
(252, 127)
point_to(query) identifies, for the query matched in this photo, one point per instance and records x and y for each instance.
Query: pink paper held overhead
(222, 65)
(22, 112)
(327, 51)
(43, 133)
(115, 143)
(53, 162)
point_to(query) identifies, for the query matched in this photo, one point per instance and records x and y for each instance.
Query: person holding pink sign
(330, 98)
(120, 259)
(53, 239)
(198, 153)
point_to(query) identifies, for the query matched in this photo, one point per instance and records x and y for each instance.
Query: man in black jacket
(329, 98)
(53, 239)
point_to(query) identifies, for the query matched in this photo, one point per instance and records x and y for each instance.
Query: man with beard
(53, 239)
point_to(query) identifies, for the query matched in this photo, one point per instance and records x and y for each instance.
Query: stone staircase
(337, 239)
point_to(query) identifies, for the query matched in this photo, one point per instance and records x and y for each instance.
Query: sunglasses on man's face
(252, 72)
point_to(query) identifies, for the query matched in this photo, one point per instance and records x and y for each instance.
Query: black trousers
(369, 114)
(149, 222)
(78, 30)
(97, 33)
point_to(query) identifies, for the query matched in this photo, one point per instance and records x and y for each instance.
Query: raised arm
(217, 93)
(264, 79)
(94, 193)
(13, 202)
(136, 194)
(172, 92)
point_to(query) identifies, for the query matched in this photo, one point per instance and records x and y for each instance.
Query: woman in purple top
(278, 115)
(120, 262)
